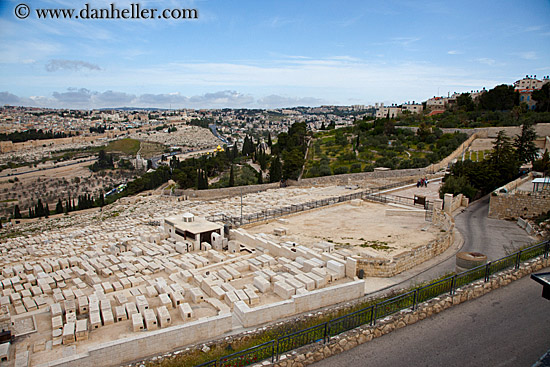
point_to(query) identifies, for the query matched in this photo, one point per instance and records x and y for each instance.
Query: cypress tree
(231, 177)
(16, 212)
(59, 207)
(276, 170)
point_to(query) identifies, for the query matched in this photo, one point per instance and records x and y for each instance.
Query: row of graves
(155, 281)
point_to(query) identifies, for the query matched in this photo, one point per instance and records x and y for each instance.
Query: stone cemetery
(152, 268)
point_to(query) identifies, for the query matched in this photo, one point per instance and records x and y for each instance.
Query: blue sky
(267, 53)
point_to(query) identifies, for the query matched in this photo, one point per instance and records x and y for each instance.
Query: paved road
(509, 327)
(492, 237)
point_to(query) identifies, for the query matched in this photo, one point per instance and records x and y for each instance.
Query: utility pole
(241, 205)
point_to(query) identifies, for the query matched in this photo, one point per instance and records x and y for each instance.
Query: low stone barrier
(381, 267)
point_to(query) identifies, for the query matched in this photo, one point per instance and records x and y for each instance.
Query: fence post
(487, 272)
(546, 249)
(277, 349)
(325, 337)
(373, 321)
(453, 283)
(273, 351)
(518, 259)
(415, 300)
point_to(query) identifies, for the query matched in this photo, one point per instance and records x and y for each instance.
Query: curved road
(509, 327)
(492, 237)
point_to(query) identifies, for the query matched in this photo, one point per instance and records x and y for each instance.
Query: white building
(188, 228)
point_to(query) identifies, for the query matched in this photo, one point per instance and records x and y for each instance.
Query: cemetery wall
(432, 168)
(511, 186)
(212, 194)
(519, 204)
(298, 303)
(351, 178)
(382, 267)
(122, 351)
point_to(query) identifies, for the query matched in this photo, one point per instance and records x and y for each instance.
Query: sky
(267, 53)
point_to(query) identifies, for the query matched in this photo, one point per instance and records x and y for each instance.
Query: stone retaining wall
(381, 267)
(432, 168)
(145, 344)
(519, 204)
(511, 186)
(315, 352)
(225, 192)
(351, 178)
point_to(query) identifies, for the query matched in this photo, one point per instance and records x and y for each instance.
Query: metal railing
(350, 321)
(368, 194)
(301, 338)
(368, 316)
(249, 356)
(393, 305)
(433, 290)
(208, 364)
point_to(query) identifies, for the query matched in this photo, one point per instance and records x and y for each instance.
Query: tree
(526, 149)
(503, 160)
(276, 170)
(542, 97)
(269, 142)
(501, 97)
(16, 212)
(59, 207)
(293, 163)
(465, 102)
(231, 177)
(457, 185)
(260, 177)
(202, 180)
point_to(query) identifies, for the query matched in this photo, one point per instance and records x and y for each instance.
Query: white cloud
(86, 99)
(530, 55)
(454, 52)
(73, 65)
(487, 61)
(275, 101)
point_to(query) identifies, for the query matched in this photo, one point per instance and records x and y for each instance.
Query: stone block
(120, 314)
(82, 330)
(163, 317)
(142, 304)
(253, 298)
(231, 298)
(261, 284)
(284, 290)
(186, 311)
(151, 322)
(137, 322)
(57, 322)
(107, 316)
(69, 333)
(196, 295)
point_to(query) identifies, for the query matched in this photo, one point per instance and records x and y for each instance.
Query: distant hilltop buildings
(437, 105)
(526, 86)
